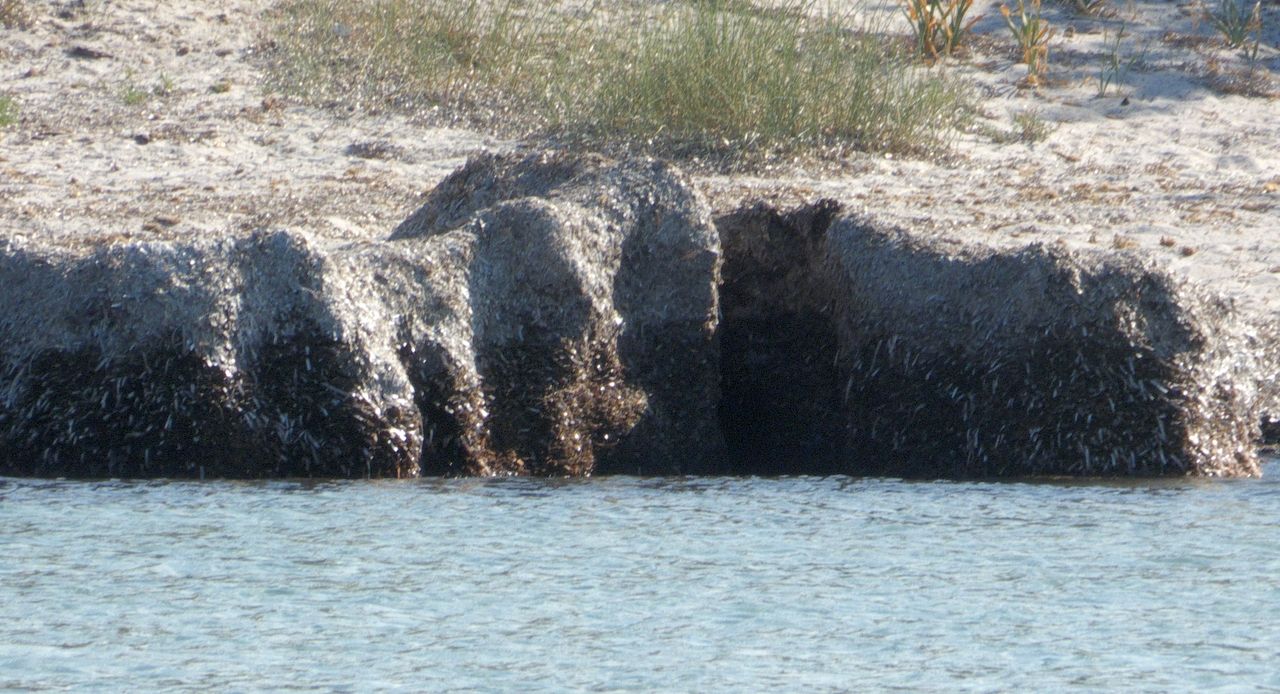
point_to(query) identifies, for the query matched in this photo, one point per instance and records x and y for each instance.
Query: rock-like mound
(556, 326)
(561, 315)
(921, 357)
(593, 305)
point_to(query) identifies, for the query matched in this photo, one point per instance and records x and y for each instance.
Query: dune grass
(1235, 20)
(443, 53)
(8, 111)
(690, 77)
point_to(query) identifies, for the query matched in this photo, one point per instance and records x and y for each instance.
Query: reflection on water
(623, 583)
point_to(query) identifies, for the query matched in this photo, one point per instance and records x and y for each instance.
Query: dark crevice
(780, 410)
(676, 370)
(1271, 432)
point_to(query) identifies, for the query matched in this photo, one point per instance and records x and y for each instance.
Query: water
(801, 584)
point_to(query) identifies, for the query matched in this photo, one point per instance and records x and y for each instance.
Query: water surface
(817, 584)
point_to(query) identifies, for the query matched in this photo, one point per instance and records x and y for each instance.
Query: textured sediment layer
(561, 321)
(920, 357)
(560, 315)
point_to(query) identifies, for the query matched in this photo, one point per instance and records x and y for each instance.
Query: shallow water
(623, 583)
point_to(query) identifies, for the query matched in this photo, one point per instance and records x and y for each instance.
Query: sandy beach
(143, 120)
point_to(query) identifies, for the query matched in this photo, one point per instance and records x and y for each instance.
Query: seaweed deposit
(555, 318)
(550, 314)
(946, 361)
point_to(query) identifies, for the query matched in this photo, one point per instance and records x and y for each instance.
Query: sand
(150, 120)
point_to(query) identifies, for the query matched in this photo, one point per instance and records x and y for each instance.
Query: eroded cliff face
(558, 315)
(561, 322)
(226, 357)
(928, 358)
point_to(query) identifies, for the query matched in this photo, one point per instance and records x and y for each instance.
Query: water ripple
(823, 584)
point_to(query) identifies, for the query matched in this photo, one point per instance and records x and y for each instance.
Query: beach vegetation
(165, 86)
(1029, 127)
(939, 26)
(1118, 62)
(8, 111)
(707, 79)
(1244, 80)
(778, 79)
(135, 93)
(1235, 21)
(1031, 32)
(131, 93)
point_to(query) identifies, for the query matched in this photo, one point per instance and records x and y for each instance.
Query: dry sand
(146, 120)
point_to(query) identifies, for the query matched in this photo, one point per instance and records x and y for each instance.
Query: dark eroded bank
(561, 315)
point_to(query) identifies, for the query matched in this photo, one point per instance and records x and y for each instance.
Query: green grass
(711, 76)
(400, 52)
(1118, 62)
(1029, 128)
(134, 93)
(8, 111)
(692, 78)
(1236, 19)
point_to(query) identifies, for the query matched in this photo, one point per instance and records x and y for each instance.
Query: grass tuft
(8, 111)
(686, 78)
(1118, 63)
(939, 26)
(715, 77)
(450, 54)
(133, 93)
(1235, 21)
(1031, 32)
(1029, 128)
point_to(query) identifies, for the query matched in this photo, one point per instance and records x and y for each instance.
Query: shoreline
(560, 315)
(141, 126)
